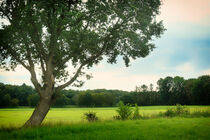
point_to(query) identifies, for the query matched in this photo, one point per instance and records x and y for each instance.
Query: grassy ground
(149, 129)
(17, 116)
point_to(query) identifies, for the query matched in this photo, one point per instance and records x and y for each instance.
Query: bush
(201, 113)
(169, 112)
(181, 109)
(91, 116)
(136, 114)
(117, 117)
(124, 111)
(178, 111)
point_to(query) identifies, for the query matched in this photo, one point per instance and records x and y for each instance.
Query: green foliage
(91, 98)
(178, 111)
(116, 117)
(14, 102)
(170, 91)
(52, 35)
(62, 100)
(90, 116)
(15, 95)
(201, 90)
(124, 111)
(136, 114)
(85, 99)
(6, 100)
(178, 90)
(33, 99)
(200, 113)
(76, 32)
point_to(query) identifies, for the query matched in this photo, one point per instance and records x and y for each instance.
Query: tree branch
(59, 88)
(87, 61)
(15, 56)
(42, 66)
(33, 73)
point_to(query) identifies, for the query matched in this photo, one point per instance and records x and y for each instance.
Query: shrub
(178, 111)
(181, 109)
(201, 113)
(117, 117)
(90, 116)
(136, 114)
(124, 111)
(169, 112)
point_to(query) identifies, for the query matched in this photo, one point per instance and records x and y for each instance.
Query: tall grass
(18, 116)
(159, 128)
(183, 111)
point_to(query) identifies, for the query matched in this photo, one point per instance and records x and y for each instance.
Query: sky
(183, 50)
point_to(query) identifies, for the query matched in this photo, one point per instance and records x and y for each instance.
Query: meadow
(17, 116)
(149, 129)
(69, 123)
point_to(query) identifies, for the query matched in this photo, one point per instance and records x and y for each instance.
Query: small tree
(136, 114)
(124, 111)
(51, 35)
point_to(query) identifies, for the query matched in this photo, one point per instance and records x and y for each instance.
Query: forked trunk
(39, 113)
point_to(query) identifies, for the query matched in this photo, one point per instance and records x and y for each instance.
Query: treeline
(169, 91)
(11, 95)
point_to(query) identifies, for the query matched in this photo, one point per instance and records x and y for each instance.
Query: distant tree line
(169, 91)
(11, 95)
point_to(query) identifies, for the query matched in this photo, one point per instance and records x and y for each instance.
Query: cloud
(174, 11)
(19, 72)
(205, 72)
(187, 67)
(119, 79)
(17, 77)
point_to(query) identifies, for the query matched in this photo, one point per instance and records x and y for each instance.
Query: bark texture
(39, 113)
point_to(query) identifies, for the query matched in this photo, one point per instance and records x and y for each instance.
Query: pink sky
(185, 10)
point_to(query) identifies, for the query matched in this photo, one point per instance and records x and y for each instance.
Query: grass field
(68, 123)
(17, 116)
(149, 129)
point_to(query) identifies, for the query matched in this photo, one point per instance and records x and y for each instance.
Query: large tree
(52, 36)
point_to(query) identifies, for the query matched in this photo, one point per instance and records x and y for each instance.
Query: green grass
(68, 123)
(17, 116)
(149, 129)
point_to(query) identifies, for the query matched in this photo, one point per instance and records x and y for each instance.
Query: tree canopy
(49, 34)
(53, 35)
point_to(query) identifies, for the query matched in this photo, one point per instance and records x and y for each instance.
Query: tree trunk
(39, 113)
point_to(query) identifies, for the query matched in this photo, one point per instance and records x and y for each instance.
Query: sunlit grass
(149, 129)
(17, 116)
